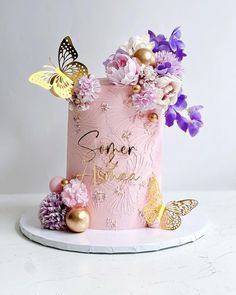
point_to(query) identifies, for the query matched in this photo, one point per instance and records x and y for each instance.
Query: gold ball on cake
(145, 56)
(136, 88)
(64, 182)
(153, 117)
(77, 220)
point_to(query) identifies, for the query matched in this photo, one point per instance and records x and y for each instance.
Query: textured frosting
(114, 204)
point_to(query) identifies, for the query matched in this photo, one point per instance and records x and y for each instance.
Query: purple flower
(52, 212)
(160, 42)
(175, 44)
(168, 63)
(196, 120)
(191, 124)
(164, 68)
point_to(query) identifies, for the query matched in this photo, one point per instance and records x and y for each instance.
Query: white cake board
(121, 241)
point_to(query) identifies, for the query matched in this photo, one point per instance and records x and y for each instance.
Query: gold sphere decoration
(77, 220)
(153, 117)
(145, 56)
(136, 88)
(64, 182)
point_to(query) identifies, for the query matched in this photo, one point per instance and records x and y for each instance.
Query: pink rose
(122, 69)
(75, 194)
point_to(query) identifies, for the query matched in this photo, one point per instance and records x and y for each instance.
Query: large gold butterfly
(60, 80)
(169, 215)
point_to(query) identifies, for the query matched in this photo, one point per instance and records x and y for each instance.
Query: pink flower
(146, 99)
(122, 69)
(86, 90)
(75, 194)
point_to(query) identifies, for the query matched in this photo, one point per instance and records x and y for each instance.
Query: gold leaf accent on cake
(104, 107)
(110, 223)
(126, 134)
(99, 197)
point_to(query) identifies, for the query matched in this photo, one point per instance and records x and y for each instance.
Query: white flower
(170, 87)
(147, 75)
(136, 43)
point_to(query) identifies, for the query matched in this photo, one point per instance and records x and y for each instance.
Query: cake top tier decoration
(151, 65)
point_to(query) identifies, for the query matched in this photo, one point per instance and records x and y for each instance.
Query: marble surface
(204, 267)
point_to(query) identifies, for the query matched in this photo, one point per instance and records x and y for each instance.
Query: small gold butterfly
(168, 215)
(60, 80)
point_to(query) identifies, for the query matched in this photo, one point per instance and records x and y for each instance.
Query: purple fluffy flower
(191, 124)
(167, 63)
(52, 212)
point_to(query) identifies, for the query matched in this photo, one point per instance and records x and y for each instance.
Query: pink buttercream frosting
(114, 150)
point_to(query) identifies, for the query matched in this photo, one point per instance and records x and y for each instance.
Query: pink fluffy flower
(122, 69)
(75, 194)
(146, 99)
(86, 90)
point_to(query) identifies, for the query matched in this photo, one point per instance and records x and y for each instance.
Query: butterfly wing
(66, 60)
(66, 53)
(75, 70)
(182, 207)
(151, 211)
(153, 188)
(152, 208)
(43, 78)
(62, 87)
(170, 220)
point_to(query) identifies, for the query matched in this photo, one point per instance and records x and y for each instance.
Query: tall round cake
(115, 135)
(115, 151)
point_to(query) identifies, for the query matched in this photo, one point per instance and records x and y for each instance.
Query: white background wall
(33, 122)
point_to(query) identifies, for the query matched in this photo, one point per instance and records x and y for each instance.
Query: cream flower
(170, 87)
(136, 43)
(147, 75)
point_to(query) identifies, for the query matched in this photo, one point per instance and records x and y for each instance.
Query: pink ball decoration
(55, 184)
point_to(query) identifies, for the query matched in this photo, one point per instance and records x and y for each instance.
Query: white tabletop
(204, 267)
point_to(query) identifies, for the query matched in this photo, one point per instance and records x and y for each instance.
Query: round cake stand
(121, 241)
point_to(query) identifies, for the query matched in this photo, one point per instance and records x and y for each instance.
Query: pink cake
(115, 203)
(115, 135)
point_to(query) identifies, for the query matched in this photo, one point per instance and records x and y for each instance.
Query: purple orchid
(160, 42)
(164, 68)
(191, 124)
(174, 44)
(177, 46)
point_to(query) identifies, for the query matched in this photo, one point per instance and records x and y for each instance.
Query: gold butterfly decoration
(60, 80)
(169, 215)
